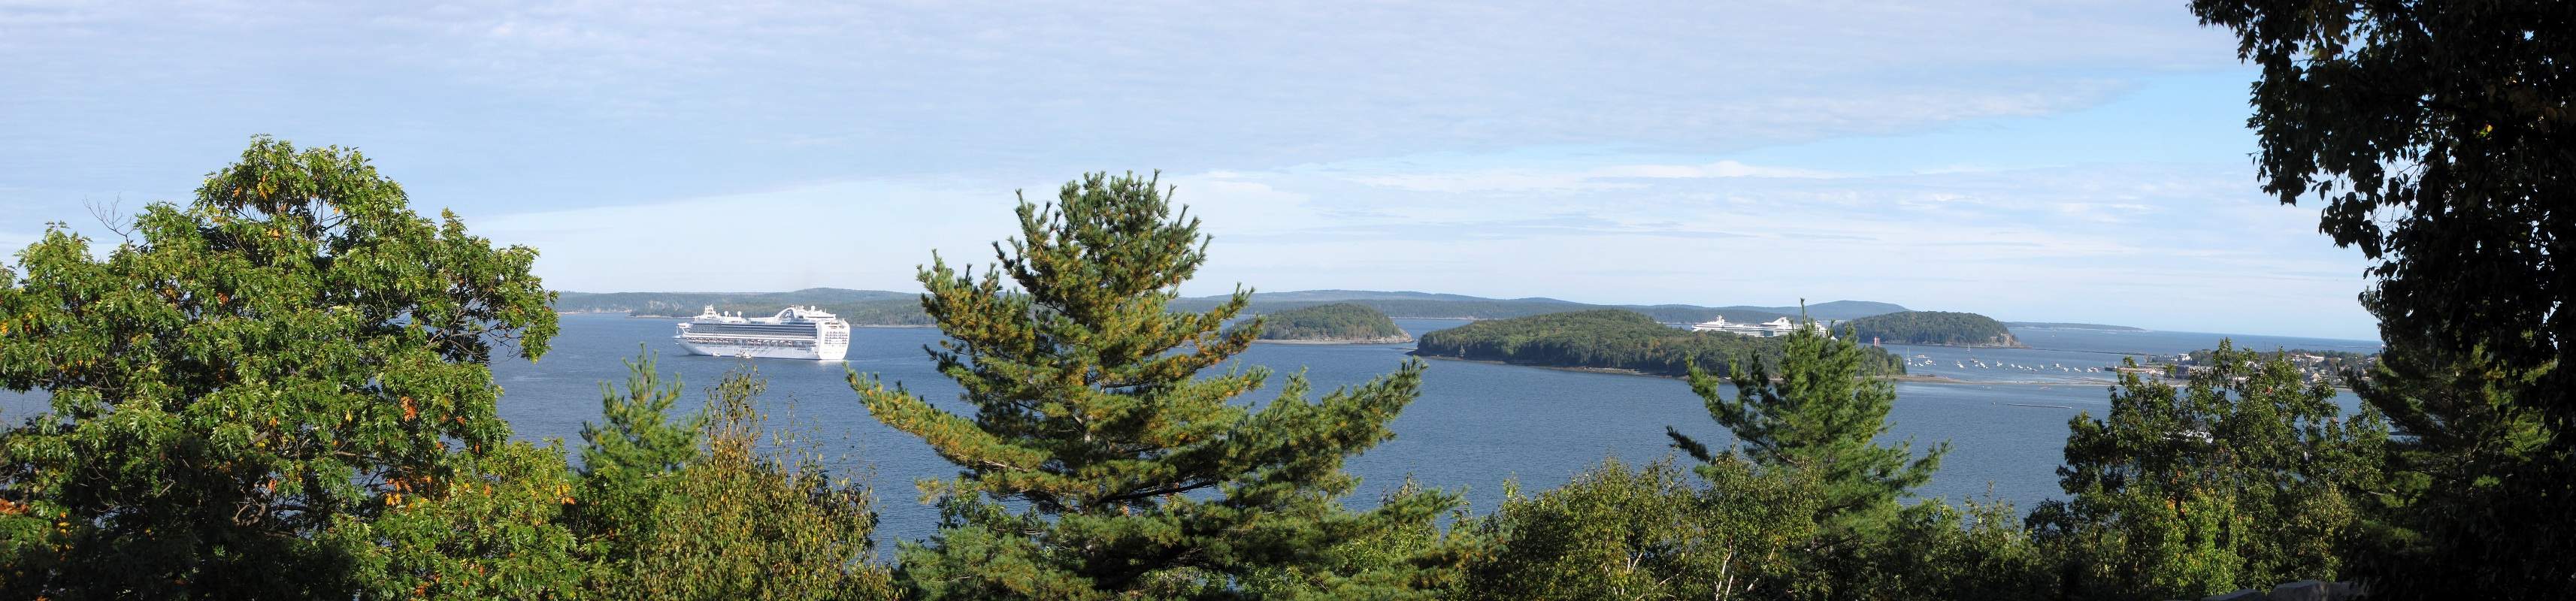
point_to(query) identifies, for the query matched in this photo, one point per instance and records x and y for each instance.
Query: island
(1337, 323)
(1932, 328)
(1609, 340)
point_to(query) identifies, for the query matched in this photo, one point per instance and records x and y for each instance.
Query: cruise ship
(1776, 327)
(794, 333)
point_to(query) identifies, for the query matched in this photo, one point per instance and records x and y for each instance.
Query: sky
(2041, 160)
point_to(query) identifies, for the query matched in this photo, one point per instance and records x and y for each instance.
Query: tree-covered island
(1348, 323)
(1609, 339)
(1944, 328)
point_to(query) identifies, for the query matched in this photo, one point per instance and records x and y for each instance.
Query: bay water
(1475, 426)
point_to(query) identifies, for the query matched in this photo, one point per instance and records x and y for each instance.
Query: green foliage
(630, 463)
(1819, 410)
(495, 533)
(1613, 533)
(1934, 550)
(2475, 451)
(1337, 321)
(1750, 533)
(1611, 339)
(754, 516)
(2246, 478)
(1409, 556)
(2434, 137)
(290, 352)
(1933, 327)
(1096, 463)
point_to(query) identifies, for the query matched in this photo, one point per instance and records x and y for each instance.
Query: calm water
(1475, 426)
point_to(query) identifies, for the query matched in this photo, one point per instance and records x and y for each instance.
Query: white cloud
(842, 234)
(1597, 178)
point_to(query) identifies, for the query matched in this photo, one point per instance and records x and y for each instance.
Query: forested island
(1944, 328)
(1607, 339)
(1338, 323)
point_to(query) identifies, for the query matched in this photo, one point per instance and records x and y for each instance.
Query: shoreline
(1903, 378)
(1316, 342)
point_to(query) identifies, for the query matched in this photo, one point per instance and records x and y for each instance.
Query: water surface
(1475, 426)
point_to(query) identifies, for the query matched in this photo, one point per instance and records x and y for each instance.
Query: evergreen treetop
(1820, 409)
(1123, 472)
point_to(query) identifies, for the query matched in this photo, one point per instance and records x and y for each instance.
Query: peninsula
(1939, 328)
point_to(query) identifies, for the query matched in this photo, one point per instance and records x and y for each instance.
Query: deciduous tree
(2436, 138)
(293, 349)
(2244, 478)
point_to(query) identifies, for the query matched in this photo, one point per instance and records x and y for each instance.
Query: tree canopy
(2435, 138)
(1097, 463)
(292, 348)
(2246, 477)
(1819, 410)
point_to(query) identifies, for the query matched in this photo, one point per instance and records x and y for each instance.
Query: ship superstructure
(794, 333)
(1776, 327)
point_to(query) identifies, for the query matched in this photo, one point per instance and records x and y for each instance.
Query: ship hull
(803, 350)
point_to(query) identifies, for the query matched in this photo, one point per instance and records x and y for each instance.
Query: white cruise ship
(1776, 327)
(794, 333)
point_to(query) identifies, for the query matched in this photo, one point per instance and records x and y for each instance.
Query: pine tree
(629, 462)
(1095, 464)
(1821, 409)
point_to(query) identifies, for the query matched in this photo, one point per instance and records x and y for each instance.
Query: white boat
(794, 333)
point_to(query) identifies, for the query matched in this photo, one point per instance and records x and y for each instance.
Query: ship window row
(750, 342)
(754, 332)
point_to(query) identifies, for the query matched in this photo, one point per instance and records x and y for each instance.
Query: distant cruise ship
(794, 333)
(1776, 327)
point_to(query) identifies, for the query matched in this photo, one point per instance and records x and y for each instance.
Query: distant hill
(2059, 325)
(689, 303)
(1836, 310)
(880, 307)
(1933, 327)
(1343, 295)
(861, 307)
(1337, 322)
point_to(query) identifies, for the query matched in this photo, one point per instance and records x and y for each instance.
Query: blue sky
(2057, 161)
